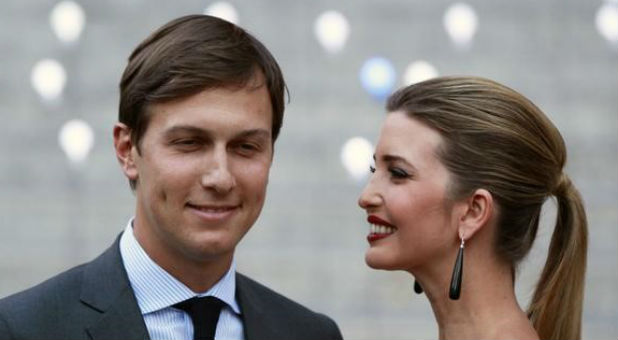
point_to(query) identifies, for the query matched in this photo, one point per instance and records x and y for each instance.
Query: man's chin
(209, 251)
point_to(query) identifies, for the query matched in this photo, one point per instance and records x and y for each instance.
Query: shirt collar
(157, 289)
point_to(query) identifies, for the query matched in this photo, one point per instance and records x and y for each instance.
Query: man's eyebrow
(259, 133)
(190, 129)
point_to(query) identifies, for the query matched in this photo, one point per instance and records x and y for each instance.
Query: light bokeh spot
(48, 79)
(461, 22)
(67, 20)
(332, 29)
(377, 76)
(76, 139)
(606, 21)
(418, 71)
(356, 156)
(223, 10)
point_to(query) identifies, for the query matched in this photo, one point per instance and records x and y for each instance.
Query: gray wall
(310, 240)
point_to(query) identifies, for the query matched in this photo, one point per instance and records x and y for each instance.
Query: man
(201, 104)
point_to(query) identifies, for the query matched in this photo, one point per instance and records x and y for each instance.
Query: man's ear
(477, 213)
(124, 150)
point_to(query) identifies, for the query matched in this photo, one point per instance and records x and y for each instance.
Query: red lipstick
(372, 219)
(373, 236)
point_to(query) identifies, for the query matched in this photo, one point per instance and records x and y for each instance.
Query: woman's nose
(369, 197)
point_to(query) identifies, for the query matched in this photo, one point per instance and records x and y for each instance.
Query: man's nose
(218, 176)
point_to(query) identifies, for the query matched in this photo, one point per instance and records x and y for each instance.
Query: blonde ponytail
(556, 308)
(497, 139)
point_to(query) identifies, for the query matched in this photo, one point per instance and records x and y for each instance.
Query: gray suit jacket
(95, 301)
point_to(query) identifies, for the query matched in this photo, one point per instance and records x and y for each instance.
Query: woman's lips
(378, 228)
(374, 237)
(373, 219)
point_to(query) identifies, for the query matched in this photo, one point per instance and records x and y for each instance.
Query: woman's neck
(487, 307)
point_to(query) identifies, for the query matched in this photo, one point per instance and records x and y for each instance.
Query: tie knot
(197, 305)
(204, 313)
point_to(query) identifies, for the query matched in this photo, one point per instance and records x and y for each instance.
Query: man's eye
(247, 149)
(186, 144)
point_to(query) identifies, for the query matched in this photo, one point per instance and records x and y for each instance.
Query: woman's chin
(375, 261)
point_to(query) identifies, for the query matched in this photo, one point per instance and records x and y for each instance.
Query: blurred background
(63, 198)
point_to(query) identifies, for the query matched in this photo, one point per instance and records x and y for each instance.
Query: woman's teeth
(380, 229)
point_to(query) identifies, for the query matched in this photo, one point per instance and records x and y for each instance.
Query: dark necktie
(204, 313)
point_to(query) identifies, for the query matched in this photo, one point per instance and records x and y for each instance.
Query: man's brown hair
(191, 54)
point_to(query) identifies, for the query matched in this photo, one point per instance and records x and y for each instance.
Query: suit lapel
(258, 320)
(118, 322)
(106, 289)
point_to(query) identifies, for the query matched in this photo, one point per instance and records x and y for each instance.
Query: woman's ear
(476, 213)
(124, 150)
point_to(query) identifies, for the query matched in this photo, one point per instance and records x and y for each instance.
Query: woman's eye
(398, 173)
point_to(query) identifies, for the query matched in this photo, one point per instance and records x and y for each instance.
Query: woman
(464, 165)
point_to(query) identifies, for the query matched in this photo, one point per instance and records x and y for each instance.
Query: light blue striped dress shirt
(156, 291)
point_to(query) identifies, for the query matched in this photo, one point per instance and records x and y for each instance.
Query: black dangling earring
(455, 289)
(417, 287)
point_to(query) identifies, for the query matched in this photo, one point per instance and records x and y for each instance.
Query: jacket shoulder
(60, 307)
(57, 287)
(44, 305)
(294, 320)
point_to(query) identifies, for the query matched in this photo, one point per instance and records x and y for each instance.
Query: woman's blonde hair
(496, 139)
